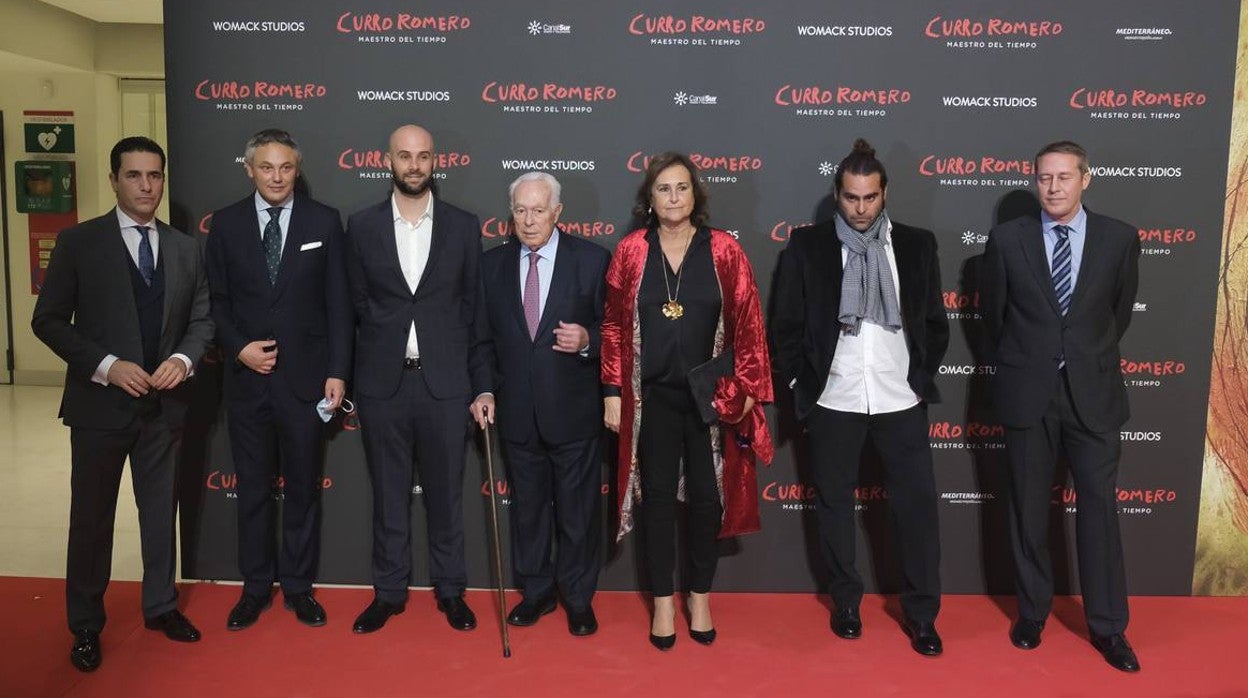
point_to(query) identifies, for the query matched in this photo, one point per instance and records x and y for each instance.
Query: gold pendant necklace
(672, 309)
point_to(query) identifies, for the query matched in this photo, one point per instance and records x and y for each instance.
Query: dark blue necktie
(273, 243)
(147, 261)
(1062, 284)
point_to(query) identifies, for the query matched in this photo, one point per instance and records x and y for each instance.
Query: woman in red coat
(680, 294)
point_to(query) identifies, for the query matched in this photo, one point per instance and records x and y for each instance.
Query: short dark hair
(861, 161)
(1067, 147)
(266, 137)
(134, 144)
(658, 163)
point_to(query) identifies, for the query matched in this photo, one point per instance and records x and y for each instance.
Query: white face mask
(326, 414)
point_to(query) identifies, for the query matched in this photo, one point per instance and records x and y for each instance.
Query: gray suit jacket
(1031, 336)
(86, 311)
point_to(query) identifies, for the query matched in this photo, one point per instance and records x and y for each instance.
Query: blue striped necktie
(1062, 283)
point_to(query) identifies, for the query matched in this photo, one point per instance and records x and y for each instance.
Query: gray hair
(267, 137)
(544, 177)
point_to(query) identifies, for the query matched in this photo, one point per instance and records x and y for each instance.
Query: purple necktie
(532, 296)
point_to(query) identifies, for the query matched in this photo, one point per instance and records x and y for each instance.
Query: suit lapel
(116, 264)
(1033, 252)
(437, 243)
(389, 248)
(908, 269)
(172, 266)
(1093, 248)
(511, 284)
(560, 282)
(831, 246)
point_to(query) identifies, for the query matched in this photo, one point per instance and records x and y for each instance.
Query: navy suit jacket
(308, 310)
(537, 388)
(443, 307)
(804, 324)
(1030, 335)
(86, 311)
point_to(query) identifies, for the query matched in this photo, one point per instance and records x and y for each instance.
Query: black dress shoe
(1117, 651)
(529, 611)
(1026, 634)
(847, 623)
(86, 651)
(375, 616)
(174, 625)
(458, 615)
(664, 642)
(306, 608)
(247, 611)
(702, 637)
(582, 622)
(924, 638)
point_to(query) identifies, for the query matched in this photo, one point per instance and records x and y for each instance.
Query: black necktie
(147, 261)
(273, 243)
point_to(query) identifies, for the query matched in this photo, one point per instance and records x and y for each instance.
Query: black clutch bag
(703, 380)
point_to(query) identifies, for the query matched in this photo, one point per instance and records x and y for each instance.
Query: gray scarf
(867, 291)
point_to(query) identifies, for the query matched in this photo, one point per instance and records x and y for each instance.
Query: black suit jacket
(443, 306)
(86, 311)
(308, 311)
(536, 387)
(1030, 335)
(804, 324)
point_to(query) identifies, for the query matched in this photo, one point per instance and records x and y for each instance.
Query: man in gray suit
(125, 304)
(1057, 294)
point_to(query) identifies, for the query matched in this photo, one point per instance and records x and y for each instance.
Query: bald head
(411, 159)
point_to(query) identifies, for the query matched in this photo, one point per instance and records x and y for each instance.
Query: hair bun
(862, 146)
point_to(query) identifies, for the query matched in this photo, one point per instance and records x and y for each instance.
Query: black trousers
(413, 428)
(1093, 458)
(97, 459)
(277, 434)
(836, 440)
(672, 434)
(556, 492)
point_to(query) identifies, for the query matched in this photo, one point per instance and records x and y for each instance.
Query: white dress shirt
(868, 373)
(130, 235)
(413, 241)
(283, 218)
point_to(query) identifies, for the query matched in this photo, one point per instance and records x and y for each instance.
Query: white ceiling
(129, 11)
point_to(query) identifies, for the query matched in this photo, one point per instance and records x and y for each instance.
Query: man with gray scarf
(859, 331)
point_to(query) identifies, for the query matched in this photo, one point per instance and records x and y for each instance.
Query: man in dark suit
(1057, 295)
(859, 330)
(413, 265)
(542, 340)
(284, 323)
(125, 304)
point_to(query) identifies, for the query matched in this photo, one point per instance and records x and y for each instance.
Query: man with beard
(413, 268)
(867, 369)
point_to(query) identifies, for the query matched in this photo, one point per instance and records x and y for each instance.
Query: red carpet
(769, 645)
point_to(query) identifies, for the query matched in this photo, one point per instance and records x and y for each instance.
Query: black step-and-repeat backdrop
(956, 98)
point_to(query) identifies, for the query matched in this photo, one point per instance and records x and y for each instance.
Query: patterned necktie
(1062, 285)
(532, 296)
(273, 243)
(147, 261)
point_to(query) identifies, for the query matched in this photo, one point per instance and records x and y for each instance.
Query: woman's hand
(749, 405)
(611, 413)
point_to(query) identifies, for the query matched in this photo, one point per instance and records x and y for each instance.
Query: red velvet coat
(741, 327)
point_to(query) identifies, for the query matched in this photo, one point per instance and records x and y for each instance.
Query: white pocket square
(310, 246)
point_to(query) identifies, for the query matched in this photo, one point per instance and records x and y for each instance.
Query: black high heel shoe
(665, 642)
(704, 637)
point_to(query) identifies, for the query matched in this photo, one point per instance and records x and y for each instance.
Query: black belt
(411, 363)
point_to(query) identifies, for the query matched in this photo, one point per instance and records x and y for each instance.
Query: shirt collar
(1077, 224)
(263, 206)
(127, 222)
(396, 216)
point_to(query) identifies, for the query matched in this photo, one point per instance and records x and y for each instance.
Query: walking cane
(498, 551)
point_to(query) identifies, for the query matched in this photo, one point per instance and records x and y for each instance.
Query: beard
(408, 189)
